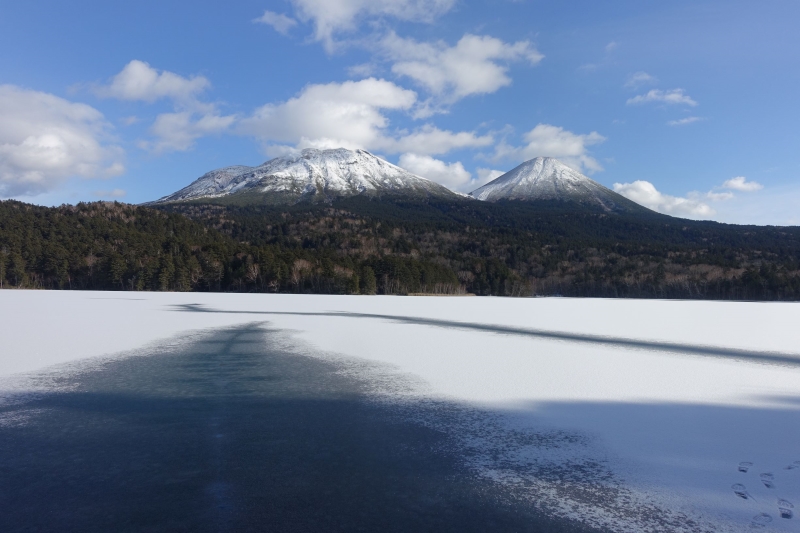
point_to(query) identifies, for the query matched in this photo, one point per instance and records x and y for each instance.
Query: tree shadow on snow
(772, 358)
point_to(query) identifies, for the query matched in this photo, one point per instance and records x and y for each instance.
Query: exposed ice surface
(687, 408)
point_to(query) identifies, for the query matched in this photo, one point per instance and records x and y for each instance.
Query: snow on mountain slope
(313, 174)
(545, 178)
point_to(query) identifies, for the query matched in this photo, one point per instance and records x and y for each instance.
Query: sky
(688, 107)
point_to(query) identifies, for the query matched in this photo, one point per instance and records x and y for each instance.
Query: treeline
(523, 249)
(114, 246)
(361, 246)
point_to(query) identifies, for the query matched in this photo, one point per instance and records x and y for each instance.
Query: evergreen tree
(353, 286)
(369, 285)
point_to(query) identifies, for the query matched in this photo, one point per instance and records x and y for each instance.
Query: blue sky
(689, 107)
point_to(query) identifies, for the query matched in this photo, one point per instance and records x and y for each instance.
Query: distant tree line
(362, 246)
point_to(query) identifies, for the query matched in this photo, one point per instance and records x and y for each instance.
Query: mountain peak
(312, 174)
(547, 178)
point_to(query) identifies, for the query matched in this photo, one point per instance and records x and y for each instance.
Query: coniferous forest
(371, 246)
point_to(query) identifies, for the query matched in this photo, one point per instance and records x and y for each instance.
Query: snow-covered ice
(693, 408)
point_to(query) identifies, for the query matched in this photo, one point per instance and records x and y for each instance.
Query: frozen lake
(474, 413)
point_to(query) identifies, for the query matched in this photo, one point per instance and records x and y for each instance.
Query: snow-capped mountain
(546, 178)
(312, 175)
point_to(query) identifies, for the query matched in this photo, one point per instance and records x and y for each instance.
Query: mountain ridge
(548, 179)
(313, 175)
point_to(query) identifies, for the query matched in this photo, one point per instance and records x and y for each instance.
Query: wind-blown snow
(329, 173)
(669, 396)
(546, 178)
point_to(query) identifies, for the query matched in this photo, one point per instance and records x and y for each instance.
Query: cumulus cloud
(474, 65)
(139, 81)
(684, 121)
(637, 79)
(347, 114)
(740, 183)
(672, 96)
(351, 115)
(191, 119)
(45, 139)
(693, 205)
(330, 17)
(485, 175)
(431, 140)
(645, 193)
(546, 140)
(451, 175)
(279, 22)
(177, 132)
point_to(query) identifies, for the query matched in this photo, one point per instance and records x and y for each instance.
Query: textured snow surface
(680, 404)
(545, 178)
(337, 172)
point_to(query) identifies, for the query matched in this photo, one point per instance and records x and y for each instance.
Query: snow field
(672, 423)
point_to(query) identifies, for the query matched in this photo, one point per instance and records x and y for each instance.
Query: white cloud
(279, 22)
(334, 16)
(474, 65)
(684, 121)
(431, 140)
(645, 193)
(451, 175)
(139, 81)
(347, 114)
(45, 139)
(717, 196)
(546, 140)
(116, 193)
(672, 96)
(637, 79)
(351, 115)
(740, 183)
(179, 131)
(191, 118)
(693, 205)
(485, 175)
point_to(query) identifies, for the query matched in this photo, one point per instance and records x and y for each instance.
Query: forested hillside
(365, 246)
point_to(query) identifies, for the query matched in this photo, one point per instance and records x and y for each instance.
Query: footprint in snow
(794, 465)
(741, 491)
(768, 479)
(760, 520)
(745, 466)
(785, 507)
